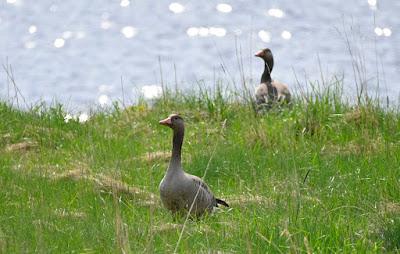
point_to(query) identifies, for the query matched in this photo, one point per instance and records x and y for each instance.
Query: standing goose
(178, 189)
(270, 91)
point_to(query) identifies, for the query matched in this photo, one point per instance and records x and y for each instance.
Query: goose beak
(259, 53)
(166, 122)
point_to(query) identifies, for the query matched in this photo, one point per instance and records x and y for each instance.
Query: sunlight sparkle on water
(129, 31)
(204, 31)
(12, 1)
(59, 42)
(176, 7)
(387, 32)
(217, 31)
(125, 3)
(275, 12)
(378, 31)
(225, 8)
(83, 117)
(32, 29)
(192, 31)
(372, 3)
(104, 100)
(151, 91)
(286, 35)
(265, 36)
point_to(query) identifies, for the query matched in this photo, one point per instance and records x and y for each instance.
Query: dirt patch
(156, 156)
(389, 207)
(21, 147)
(64, 213)
(359, 116)
(245, 199)
(350, 148)
(104, 183)
(190, 228)
(167, 227)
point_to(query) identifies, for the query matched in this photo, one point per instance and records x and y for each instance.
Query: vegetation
(321, 175)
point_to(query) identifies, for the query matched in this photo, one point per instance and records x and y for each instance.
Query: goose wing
(199, 183)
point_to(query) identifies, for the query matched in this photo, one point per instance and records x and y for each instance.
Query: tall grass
(319, 176)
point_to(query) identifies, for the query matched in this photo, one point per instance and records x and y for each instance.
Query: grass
(319, 176)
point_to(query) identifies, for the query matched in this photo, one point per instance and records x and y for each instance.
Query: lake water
(83, 52)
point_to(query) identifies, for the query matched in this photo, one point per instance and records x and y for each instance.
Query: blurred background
(85, 53)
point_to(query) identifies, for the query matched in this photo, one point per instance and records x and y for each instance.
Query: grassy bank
(322, 176)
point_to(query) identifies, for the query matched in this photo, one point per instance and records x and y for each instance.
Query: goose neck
(266, 76)
(177, 148)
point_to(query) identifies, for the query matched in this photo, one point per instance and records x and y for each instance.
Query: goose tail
(221, 202)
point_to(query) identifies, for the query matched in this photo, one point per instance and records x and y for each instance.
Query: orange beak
(166, 121)
(260, 53)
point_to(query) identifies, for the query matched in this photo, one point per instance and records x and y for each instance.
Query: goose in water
(178, 189)
(270, 91)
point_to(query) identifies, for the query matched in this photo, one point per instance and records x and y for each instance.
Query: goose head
(174, 121)
(267, 56)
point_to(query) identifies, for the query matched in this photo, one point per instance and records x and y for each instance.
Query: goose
(270, 91)
(178, 189)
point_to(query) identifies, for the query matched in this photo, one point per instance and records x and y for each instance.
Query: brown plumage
(270, 91)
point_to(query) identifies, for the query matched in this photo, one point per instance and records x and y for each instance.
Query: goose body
(270, 91)
(178, 189)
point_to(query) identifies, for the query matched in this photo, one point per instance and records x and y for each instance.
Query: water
(87, 52)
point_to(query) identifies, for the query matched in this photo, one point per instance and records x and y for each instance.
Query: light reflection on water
(286, 35)
(128, 31)
(275, 12)
(125, 3)
(95, 49)
(176, 8)
(32, 29)
(59, 43)
(104, 100)
(150, 92)
(223, 7)
(265, 36)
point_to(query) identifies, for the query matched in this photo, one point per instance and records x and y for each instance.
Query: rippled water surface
(87, 52)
